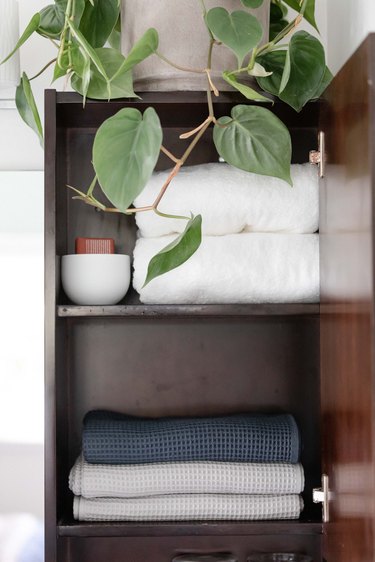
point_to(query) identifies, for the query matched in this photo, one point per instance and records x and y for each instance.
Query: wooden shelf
(186, 311)
(71, 528)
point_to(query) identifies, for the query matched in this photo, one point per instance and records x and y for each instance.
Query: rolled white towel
(188, 507)
(155, 479)
(238, 268)
(231, 201)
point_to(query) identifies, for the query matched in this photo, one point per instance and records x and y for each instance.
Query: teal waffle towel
(112, 438)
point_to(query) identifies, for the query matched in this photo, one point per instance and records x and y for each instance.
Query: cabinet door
(347, 309)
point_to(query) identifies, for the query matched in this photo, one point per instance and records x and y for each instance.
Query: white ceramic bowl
(95, 278)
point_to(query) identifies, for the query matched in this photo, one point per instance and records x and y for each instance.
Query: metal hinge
(322, 495)
(318, 156)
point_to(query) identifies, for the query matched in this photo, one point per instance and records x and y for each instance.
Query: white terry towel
(188, 507)
(231, 201)
(127, 481)
(239, 268)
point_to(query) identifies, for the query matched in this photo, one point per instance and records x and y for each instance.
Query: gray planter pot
(183, 39)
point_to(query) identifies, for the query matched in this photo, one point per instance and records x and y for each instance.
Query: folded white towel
(231, 201)
(239, 268)
(137, 480)
(188, 507)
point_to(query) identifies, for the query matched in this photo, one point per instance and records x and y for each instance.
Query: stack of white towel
(186, 490)
(259, 240)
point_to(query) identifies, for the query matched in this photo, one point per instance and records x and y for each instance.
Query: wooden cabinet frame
(315, 361)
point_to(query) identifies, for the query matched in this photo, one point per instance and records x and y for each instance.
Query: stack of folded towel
(259, 237)
(242, 467)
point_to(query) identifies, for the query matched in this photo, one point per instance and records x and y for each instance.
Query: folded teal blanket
(113, 438)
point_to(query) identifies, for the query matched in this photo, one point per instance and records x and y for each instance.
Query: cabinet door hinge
(318, 156)
(322, 495)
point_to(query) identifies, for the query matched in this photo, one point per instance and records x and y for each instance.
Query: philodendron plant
(127, 145)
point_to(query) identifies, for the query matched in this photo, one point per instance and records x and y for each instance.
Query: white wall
(348, 23)
(21, 479)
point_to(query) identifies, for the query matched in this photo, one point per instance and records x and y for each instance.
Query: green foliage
(178, 251)
(240, 31)
(277, 18)
(246, 91)
(27, 107)
(251, 139)
(52, 17)
(126, 148)
(125, 151)
(143, 48)
(115, 38)
(309, 13)
(297, 73)
(98, 21)
(252, 3)
(121, 85)
(31, 27)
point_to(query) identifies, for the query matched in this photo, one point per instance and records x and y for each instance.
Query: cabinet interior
(168, 360)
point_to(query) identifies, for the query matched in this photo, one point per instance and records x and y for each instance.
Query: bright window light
(21, 319)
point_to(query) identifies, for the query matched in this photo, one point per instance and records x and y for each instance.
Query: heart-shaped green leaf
(143, 48)
(125, 151)
(273, 62)
(252, 3)
(81, 62)
(178, 251)
(52, 17)
(246, 91)
(60, 69)
(27, 108)
(240, 31)
(121, 86)
(255, 140)
(309, 14)
(31, 27)
(98, 21)
(327, 77)
(307, 66)
(115, 38)
(296, 75)
(90, 52)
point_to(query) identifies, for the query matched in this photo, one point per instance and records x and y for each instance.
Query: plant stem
(203, 7)
(254, 53)
(195, 141)
(170, 216)
(63, 34)
(169, 154)
(43, 69)
(164, 188)
(178, 67)
(292, 25)
(54, 43)
(195, 131)
(209, 58)
(209, 102)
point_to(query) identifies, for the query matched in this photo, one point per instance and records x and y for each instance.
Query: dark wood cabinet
(313, 361)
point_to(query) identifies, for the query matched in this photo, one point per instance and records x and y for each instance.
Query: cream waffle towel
(231, 201)
(185, 507)
(238, 268)
(137, 480)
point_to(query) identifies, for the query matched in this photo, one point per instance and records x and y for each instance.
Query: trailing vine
(86, 33)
